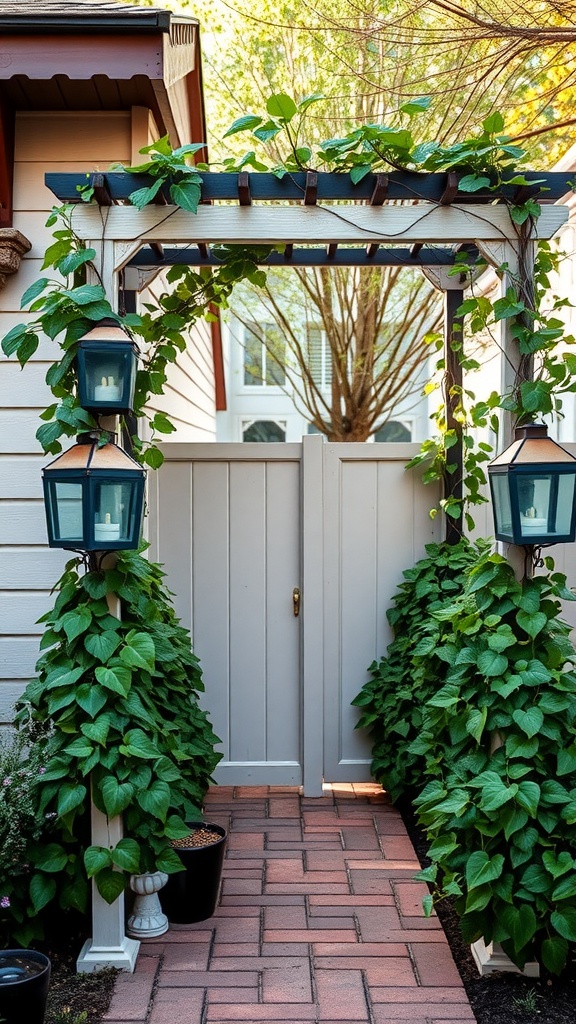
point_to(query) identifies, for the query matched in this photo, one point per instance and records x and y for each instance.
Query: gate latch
(296, 601)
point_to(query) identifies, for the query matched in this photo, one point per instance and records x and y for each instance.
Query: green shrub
(116, 710)
(392, 701)
(499, 739)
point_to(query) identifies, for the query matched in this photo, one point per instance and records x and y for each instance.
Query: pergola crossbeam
(201, 256)
(306, 225)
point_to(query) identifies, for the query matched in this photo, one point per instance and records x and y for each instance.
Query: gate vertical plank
(248, 611)
(283, 700)
(313, 612)
(173, 533)
(210, 582)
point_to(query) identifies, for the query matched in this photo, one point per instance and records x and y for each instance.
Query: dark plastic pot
(24, 981)
(192, 895)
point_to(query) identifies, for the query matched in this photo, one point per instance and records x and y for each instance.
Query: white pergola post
(109, 945)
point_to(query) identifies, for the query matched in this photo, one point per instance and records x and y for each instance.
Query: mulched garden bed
(500, 998)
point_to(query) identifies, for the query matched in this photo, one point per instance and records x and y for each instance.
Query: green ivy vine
(115, 711)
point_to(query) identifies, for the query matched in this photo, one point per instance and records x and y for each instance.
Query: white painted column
(313, 614)
(109, 946)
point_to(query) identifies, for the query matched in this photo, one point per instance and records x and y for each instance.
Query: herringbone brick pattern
(319, 920)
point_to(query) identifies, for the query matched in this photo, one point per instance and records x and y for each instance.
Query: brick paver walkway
(319, 920)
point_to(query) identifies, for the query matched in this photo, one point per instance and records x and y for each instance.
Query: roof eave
(147, 21)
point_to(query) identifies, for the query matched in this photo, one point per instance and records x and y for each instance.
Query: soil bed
(500, 998)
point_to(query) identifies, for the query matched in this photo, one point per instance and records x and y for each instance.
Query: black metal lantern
(533, 485)
(107, 360)
(94, 498)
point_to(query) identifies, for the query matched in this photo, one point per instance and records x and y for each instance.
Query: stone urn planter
(24, 981)
(192, 894)
(147, 919)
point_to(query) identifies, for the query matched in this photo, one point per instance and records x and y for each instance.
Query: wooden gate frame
(430, 219)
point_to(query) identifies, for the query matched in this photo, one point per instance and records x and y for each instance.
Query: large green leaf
(116, 796)
(528, 796)
(139, 651)
(102, 645)
(54, 858)
(554, 954)
(91, 698)
(564, 921)
(96, 858)
(530, 721)
(520, 923)
(70, 797)
(156, 799)
(42, 890)
(495, 793)
(481, 869)
(76, 622)
(281, 105)
(110, 884)
(97, 730)
(491, 663)
(565, 889)
(531, 622)
(169, 861)
(126, 855)
(138, 744)
(558, 866)
(117, 679)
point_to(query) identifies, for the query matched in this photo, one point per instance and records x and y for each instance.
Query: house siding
(28, 568)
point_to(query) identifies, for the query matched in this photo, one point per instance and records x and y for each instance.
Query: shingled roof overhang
(102, 55)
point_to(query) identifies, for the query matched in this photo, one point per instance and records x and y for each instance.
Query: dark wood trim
(200, 255)
(401, 185)
(6, 163)
(453, 328)
(218, 356)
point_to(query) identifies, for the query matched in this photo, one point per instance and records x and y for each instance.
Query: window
(393, 431)
(264, 356)
(319, 358)
(263, 430)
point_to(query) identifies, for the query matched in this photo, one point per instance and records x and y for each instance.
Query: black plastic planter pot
(191, 895)
(24, 981)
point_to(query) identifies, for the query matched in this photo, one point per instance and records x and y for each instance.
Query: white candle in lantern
(106, 530)
(107, 391)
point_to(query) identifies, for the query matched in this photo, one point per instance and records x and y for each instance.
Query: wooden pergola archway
(321, 220)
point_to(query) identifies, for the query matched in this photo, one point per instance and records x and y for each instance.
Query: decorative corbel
(13, 246)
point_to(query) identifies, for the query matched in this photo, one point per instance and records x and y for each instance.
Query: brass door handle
(296, 601)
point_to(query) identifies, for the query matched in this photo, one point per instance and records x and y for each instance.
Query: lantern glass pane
(535, 502)
(115, 508)
(566, 484)
(108, 374)
(502, 509)
(65, 511)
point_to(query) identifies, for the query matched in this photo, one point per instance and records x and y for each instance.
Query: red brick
(410, 896)
(291, 984)
(280, 870)
(374, 921)
(245, 841)
(398, 1013)
(238, 929)
(224, 949)
(183, 956)
(341, 995)
(241, 887)
(310, 935)
(396, 971)
(290, 899)
(241, 995)
(321, 904)
(359, 949)
(205, 979)
(307, 888)
(318, 860)
(260, 1011)
(177, 1006)
(397, 848)
(285, 917)
(360, 839)
(283, 807)
(434, 964)
(132, 992)
(283, 949)
(328, 922)
(436, 998)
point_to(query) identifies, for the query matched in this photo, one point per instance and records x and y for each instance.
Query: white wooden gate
(239, 527)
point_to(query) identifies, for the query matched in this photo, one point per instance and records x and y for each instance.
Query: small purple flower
(7, 781)
(41, 771)
(4, 902)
